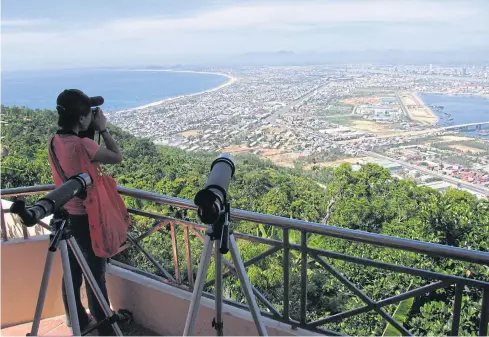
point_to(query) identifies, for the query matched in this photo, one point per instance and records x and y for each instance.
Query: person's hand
(100, 121)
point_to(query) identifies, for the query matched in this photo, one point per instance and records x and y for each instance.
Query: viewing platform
(160, 302)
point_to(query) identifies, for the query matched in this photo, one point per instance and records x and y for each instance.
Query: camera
(90, 132)
(95, 111)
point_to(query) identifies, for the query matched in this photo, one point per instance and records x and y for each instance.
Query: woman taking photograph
(76, 117)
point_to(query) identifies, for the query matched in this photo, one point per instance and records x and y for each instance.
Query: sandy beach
(231, 80)
(417, 110)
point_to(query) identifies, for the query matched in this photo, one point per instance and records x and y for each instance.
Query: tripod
(60, 224)
(219, 234)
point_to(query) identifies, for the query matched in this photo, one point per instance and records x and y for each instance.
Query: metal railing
(286, 225)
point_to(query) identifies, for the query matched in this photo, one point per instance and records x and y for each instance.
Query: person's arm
(111, 154)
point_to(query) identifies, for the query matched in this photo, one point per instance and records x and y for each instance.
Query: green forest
(367, 200)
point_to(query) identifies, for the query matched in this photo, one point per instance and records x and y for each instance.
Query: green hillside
(369, 200)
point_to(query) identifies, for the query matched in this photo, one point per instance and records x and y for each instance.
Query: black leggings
(81, 233)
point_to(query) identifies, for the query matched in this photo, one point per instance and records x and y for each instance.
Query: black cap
(74, 99)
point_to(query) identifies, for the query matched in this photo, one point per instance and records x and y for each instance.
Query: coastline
(426, 107)
(483, 95)
(231, 80)
(421, 113)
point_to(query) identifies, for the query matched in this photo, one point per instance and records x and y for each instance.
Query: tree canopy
(369, 199)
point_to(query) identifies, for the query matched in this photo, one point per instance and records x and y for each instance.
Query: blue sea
(463, 109)
(121, 89)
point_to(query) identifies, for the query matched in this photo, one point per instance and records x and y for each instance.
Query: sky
(39, 34)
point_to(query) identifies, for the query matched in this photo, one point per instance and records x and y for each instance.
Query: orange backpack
(107, 214)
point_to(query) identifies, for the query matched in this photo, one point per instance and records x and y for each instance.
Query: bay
(121, 89)
(463, 109)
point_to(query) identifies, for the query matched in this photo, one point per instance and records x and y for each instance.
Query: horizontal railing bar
(435, 249)
(167, 218)
(383, 265)
(257, 239)
(26, 190)
(159, 198)
(343, 233)
(394, 267)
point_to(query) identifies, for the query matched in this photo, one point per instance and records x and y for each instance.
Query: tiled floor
(55, 326)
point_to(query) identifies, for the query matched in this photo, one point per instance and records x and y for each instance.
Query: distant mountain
(178, 66)
(393, 56)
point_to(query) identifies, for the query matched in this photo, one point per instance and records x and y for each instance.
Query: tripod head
(52, 201)
(214, 208)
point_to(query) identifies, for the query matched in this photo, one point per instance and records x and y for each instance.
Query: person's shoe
(90, 322)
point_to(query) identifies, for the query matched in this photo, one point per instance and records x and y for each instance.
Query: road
(469, 186)
(294, 103)
(339, 116)
(403, 107)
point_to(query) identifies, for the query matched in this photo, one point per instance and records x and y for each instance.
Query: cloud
(301, 14)
(250, 26)
(23, 23)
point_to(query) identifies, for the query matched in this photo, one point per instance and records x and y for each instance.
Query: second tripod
(218, 237)
(60, 224)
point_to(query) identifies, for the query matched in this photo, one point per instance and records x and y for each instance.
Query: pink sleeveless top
(64, 148)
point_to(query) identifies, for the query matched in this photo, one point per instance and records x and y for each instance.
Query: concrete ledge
(22, 268)
(163, 308)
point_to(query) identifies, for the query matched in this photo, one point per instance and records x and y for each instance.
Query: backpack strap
(57, 166)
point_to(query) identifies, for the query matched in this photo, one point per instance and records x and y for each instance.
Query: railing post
(286, 266)
(457, 305)
(4, 224)
(175, 253)
(25, 232)
(303, 277)
(484, 313)
(188, 258)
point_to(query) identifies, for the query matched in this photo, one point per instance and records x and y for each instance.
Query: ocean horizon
(122, 89)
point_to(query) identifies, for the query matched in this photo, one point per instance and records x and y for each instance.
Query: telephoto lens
(212, 199)
(52, 201)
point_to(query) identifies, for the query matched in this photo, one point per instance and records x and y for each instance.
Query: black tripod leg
(218, 290)
(93, 284)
